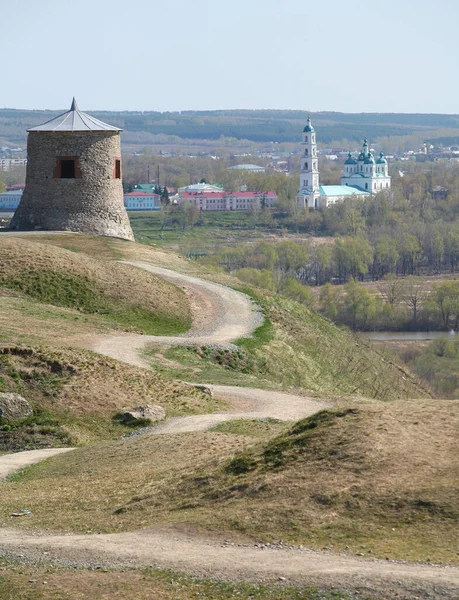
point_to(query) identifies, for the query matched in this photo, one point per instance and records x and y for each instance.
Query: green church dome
(308, 127)
(381, 160)
(350, 160)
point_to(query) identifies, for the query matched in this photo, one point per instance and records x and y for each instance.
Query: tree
(446, 295)
(385, 257)
(328, 300)
(2, 187)
(297, 291)
(352, 257)
(165, 196)
(414, 295)
(392, 289)
(358, 305)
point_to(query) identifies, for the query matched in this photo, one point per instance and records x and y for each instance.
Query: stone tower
(73, 179)
(309, 192)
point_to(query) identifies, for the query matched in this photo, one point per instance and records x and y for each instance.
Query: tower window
(117, 169)
(67, 168)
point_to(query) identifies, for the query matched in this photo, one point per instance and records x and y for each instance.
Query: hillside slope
(51, 275)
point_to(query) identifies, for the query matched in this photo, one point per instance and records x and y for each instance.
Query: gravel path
(218, 558)
(249, 403)
(220, 316)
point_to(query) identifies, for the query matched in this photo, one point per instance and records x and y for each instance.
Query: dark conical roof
(75, 120)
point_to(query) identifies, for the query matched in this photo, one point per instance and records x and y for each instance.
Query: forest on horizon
(393, 131)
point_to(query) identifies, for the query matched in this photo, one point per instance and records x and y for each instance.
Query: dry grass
(102, 480)
(57, 583)
(379, 479)
(75, 395)
(20, 258)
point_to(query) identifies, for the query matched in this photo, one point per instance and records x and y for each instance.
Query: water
(387, 336)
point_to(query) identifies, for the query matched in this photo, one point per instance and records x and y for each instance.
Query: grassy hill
(373, 475)
(370, 478)
(77, 394)
(125, 296)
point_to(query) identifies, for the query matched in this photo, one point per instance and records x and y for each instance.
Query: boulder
(205, 389)
(152, 413)
(14, 406)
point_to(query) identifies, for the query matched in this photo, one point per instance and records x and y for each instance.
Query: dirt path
(9, 463)
(220, 316)
(249, 403)
(170, 548)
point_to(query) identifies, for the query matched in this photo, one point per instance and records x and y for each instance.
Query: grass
(76, 395)
(260, 428)
(120, 294)
(213, 230)
(57, 583)
(205, 365)
(369, 478)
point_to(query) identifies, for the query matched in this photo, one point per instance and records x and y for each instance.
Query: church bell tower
(309, 193)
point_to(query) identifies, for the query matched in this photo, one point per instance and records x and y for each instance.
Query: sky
(169, 55)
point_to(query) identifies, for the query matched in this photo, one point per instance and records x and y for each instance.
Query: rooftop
(247, 167)
(74, 120)
(341, 190)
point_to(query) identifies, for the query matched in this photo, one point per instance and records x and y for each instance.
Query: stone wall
(91, 204)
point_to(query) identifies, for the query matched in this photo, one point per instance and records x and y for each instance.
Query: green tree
(358, 305)
(260, 278)
(296, 290)
(446, 295)
(328, 301)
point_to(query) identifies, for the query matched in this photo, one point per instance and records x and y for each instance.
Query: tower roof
(381, 160)
(308, 126)
(74, 120)
(350, 160)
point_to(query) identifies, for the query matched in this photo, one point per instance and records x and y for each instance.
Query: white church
(362, 176)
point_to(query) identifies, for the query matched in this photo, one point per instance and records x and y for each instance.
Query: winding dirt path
(220, 316)
(248, 403)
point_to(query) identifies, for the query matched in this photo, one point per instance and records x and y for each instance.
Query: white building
(362, 176)
(229, 200)
(365, 173)
(199, 187)
(10, 200)
(142, 201)
(6, 164)
(247, 167)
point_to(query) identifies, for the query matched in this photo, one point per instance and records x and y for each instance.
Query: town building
(142, 201)
(199, 187)
(7, 164)
(247, 167)
(229, 200)
(362, 176)
(73, 179)
(10, 200)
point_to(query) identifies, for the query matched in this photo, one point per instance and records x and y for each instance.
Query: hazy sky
(342, 55)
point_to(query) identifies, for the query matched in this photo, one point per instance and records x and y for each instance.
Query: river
(401, 336)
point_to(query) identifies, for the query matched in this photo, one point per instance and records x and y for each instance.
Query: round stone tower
(73, 179)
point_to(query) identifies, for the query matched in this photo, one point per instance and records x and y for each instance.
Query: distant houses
(229, 201)
(142, 201)
(10, 200)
